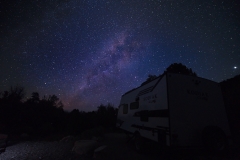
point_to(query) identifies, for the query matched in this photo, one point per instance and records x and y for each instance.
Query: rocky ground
(117, 149)
(29, 150)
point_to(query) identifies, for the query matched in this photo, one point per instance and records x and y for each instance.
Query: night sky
(90, 52)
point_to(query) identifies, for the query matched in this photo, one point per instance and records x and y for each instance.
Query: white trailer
(176, 110)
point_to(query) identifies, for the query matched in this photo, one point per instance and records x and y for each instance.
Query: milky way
(106, 72)
(91, 52)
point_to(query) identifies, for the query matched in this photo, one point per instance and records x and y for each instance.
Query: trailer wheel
(139, 143)
(128, 136)
(4, 144)
(214, 139)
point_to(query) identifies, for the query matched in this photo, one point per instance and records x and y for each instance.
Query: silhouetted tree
(102, 109)
(14, 95)
(173, 68)
(76, 122)
(11, 105)
(52, 100)
(5, 95)
(181, 69)
(149, 79)
(42, 117)
(35, 97)
(107, 115)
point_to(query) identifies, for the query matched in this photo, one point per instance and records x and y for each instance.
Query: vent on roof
(145, 91)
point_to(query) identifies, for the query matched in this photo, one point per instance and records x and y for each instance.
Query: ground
(117, 148)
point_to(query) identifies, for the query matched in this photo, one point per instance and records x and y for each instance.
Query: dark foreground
(117, 148)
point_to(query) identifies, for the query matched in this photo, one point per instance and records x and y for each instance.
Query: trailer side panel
(194, 103)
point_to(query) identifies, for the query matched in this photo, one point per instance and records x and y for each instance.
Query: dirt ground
(117, 148)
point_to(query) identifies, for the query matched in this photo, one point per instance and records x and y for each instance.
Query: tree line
(45, 116)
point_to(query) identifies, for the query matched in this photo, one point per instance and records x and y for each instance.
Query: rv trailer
(176, 110)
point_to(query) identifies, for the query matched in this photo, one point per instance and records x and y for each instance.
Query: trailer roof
(160, 77)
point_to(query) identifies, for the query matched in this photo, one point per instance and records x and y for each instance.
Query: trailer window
(134, 105)
(125, 108)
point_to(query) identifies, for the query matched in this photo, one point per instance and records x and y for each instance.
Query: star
(90, 53)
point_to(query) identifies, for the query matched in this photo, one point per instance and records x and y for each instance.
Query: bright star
(235, 67)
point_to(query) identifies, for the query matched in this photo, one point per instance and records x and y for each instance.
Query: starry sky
(90, 52)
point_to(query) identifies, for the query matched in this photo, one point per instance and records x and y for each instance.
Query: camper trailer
(176, 110)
